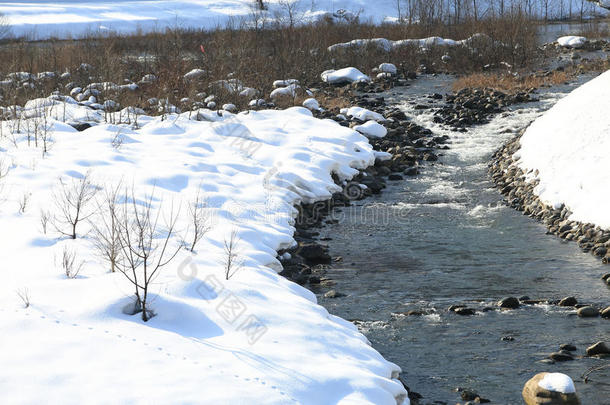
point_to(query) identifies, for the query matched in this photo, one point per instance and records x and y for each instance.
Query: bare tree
(199, 219)
(145, 246)
(232, 263)
(5, 27)
(105, 230)
(261, 5)
(72, 200)
(45, 216)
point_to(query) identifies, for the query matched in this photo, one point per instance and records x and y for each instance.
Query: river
(446, 238)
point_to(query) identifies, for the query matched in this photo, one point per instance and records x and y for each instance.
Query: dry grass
(510, 83)
(256, 56)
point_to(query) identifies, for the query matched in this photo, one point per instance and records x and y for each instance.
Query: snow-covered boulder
(572, 41)
(388, 68)
(311, 104)
(345, 75)
(289, 91)
(229, 107)
(362, 114)
(372, 129)
(554, 388)
(194, 74)
(284, 83)
(568, 148)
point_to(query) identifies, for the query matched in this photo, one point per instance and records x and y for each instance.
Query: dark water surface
(446, 238)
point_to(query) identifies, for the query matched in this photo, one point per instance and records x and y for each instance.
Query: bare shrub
(45, 217)
(145, 246)
(231, 261)
(199, 220)
(508, 82)
(24, 295)
(72, 201)
(70, 264)
(24, 202)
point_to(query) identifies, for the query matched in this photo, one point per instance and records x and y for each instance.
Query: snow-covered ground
(74, 18)
(255, 338)
(567, 149)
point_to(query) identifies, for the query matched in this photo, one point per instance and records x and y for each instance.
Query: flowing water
(444, 238)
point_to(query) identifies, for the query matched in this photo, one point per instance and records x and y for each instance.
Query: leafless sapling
(199, 221)
(231, 261)
(146, 245)
(72, 200)
(105, 229)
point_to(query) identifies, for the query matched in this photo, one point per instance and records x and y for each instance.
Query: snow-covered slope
(74, 18)
(569, 147)
(255, 338)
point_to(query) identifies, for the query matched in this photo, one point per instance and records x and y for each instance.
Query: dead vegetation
(510, 83)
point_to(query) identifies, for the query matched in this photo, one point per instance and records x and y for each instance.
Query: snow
(345, 75)
(72, 18)
(557, 382)
(569, 147)
(572, 41)
(372, 129)
(74, 344)
(389, 45)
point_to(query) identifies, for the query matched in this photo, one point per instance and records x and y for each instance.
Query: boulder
(598, 348)
(588, 312)
(509, 302)
(550, 389)
(568, 302)
(606, 313)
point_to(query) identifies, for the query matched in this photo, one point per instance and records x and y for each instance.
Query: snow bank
(389, 45)
(572, 41)
(569, 147)
(256, 338)
(557, 382)
(345, 75)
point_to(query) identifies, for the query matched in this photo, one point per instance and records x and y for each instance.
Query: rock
(588, 312)
(606, 313)
(568, 347)
(598, 348)
(411, 171)
(535, 394)
(81, 126)
(561, 356)
(314, 253)
(509, 302)
(395, 177)
(464, 311)
(333, 294)
(568, 302)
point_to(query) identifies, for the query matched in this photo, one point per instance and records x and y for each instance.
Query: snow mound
(572, 41)
(345, 75)
(557, 382)
(255, 338)
(569, 147)
(194, 74)
(372, 129)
